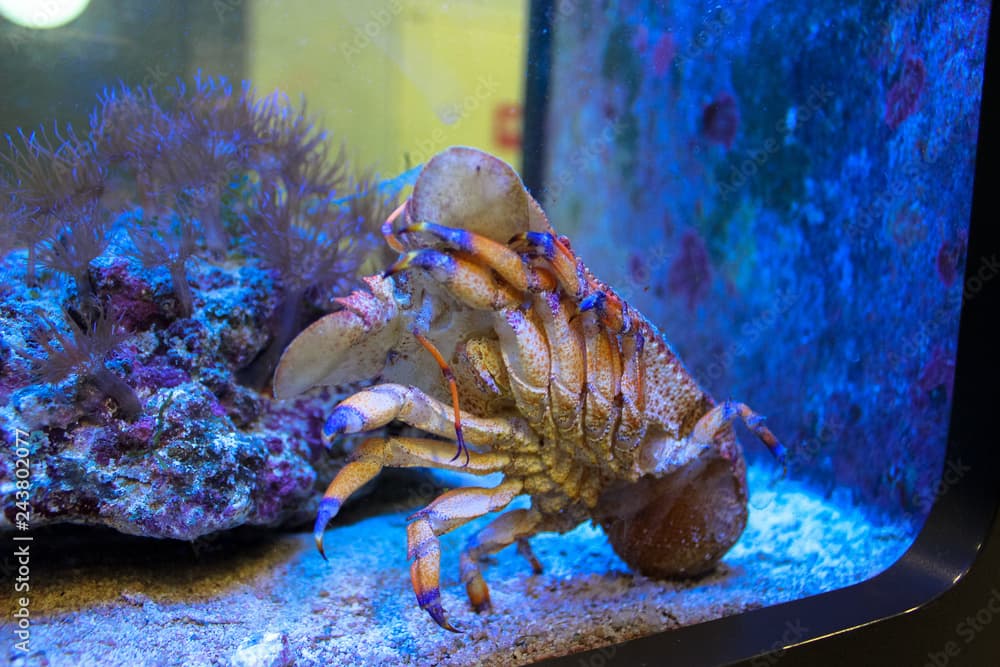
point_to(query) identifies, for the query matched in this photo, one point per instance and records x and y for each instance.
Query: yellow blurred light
(42, 14)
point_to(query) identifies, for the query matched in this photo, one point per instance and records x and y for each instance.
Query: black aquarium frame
(939, 604)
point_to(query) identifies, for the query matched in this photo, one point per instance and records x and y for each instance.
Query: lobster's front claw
(343, 347)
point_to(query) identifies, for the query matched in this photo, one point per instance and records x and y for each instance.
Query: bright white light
(42, 13)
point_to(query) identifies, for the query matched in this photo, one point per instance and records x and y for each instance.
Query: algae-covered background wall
(784, 188)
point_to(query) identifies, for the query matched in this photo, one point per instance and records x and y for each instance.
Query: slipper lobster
(489, 334)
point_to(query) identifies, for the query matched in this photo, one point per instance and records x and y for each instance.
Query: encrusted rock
(205, 454)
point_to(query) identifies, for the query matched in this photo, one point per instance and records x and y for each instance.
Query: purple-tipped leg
(328, 508)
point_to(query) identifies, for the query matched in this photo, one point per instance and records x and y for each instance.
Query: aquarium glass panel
(474, 332)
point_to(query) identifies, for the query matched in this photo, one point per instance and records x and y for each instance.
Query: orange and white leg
(475, 285)
(568, 365)
(374, 454)
(446, 513)
(449, 377)
(726, 412)
(602, 409)
(632, 427)
(376, 406)
(388, 226)
(555, 251)
(508, 264)
(614, 313)
(506, 529)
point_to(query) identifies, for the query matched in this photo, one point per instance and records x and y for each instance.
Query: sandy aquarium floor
(271, 600)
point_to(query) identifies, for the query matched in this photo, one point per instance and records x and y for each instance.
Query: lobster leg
(516, 526)
(524, 349)
(721, 415)
(387, 228)
(449, 377)
(601, 408)
(376, 453)
(565, 265)
(590, 294)
(473, 284)
(632, 427)
(614, 313)
(519, 274)
(376, 406)
(568, 371)
(446, 513)
(508, 264)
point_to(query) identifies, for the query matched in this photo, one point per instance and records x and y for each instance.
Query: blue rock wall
(784, 188)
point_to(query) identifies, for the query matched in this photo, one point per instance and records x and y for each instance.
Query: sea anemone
(220, 138)
(47, 182)
(80, 236)
(313, 245)
(202, 154)
(294, 151)
(12, 212)
(90, 339)
(127, 129)
(168, 242)
(49, 177)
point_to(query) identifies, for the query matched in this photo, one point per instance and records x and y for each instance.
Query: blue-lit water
(783, 190)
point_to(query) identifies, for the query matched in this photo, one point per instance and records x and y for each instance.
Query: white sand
(277, 602)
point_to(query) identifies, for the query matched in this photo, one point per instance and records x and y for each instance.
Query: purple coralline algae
(904, 95)
(690, 273)
(720, 119)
